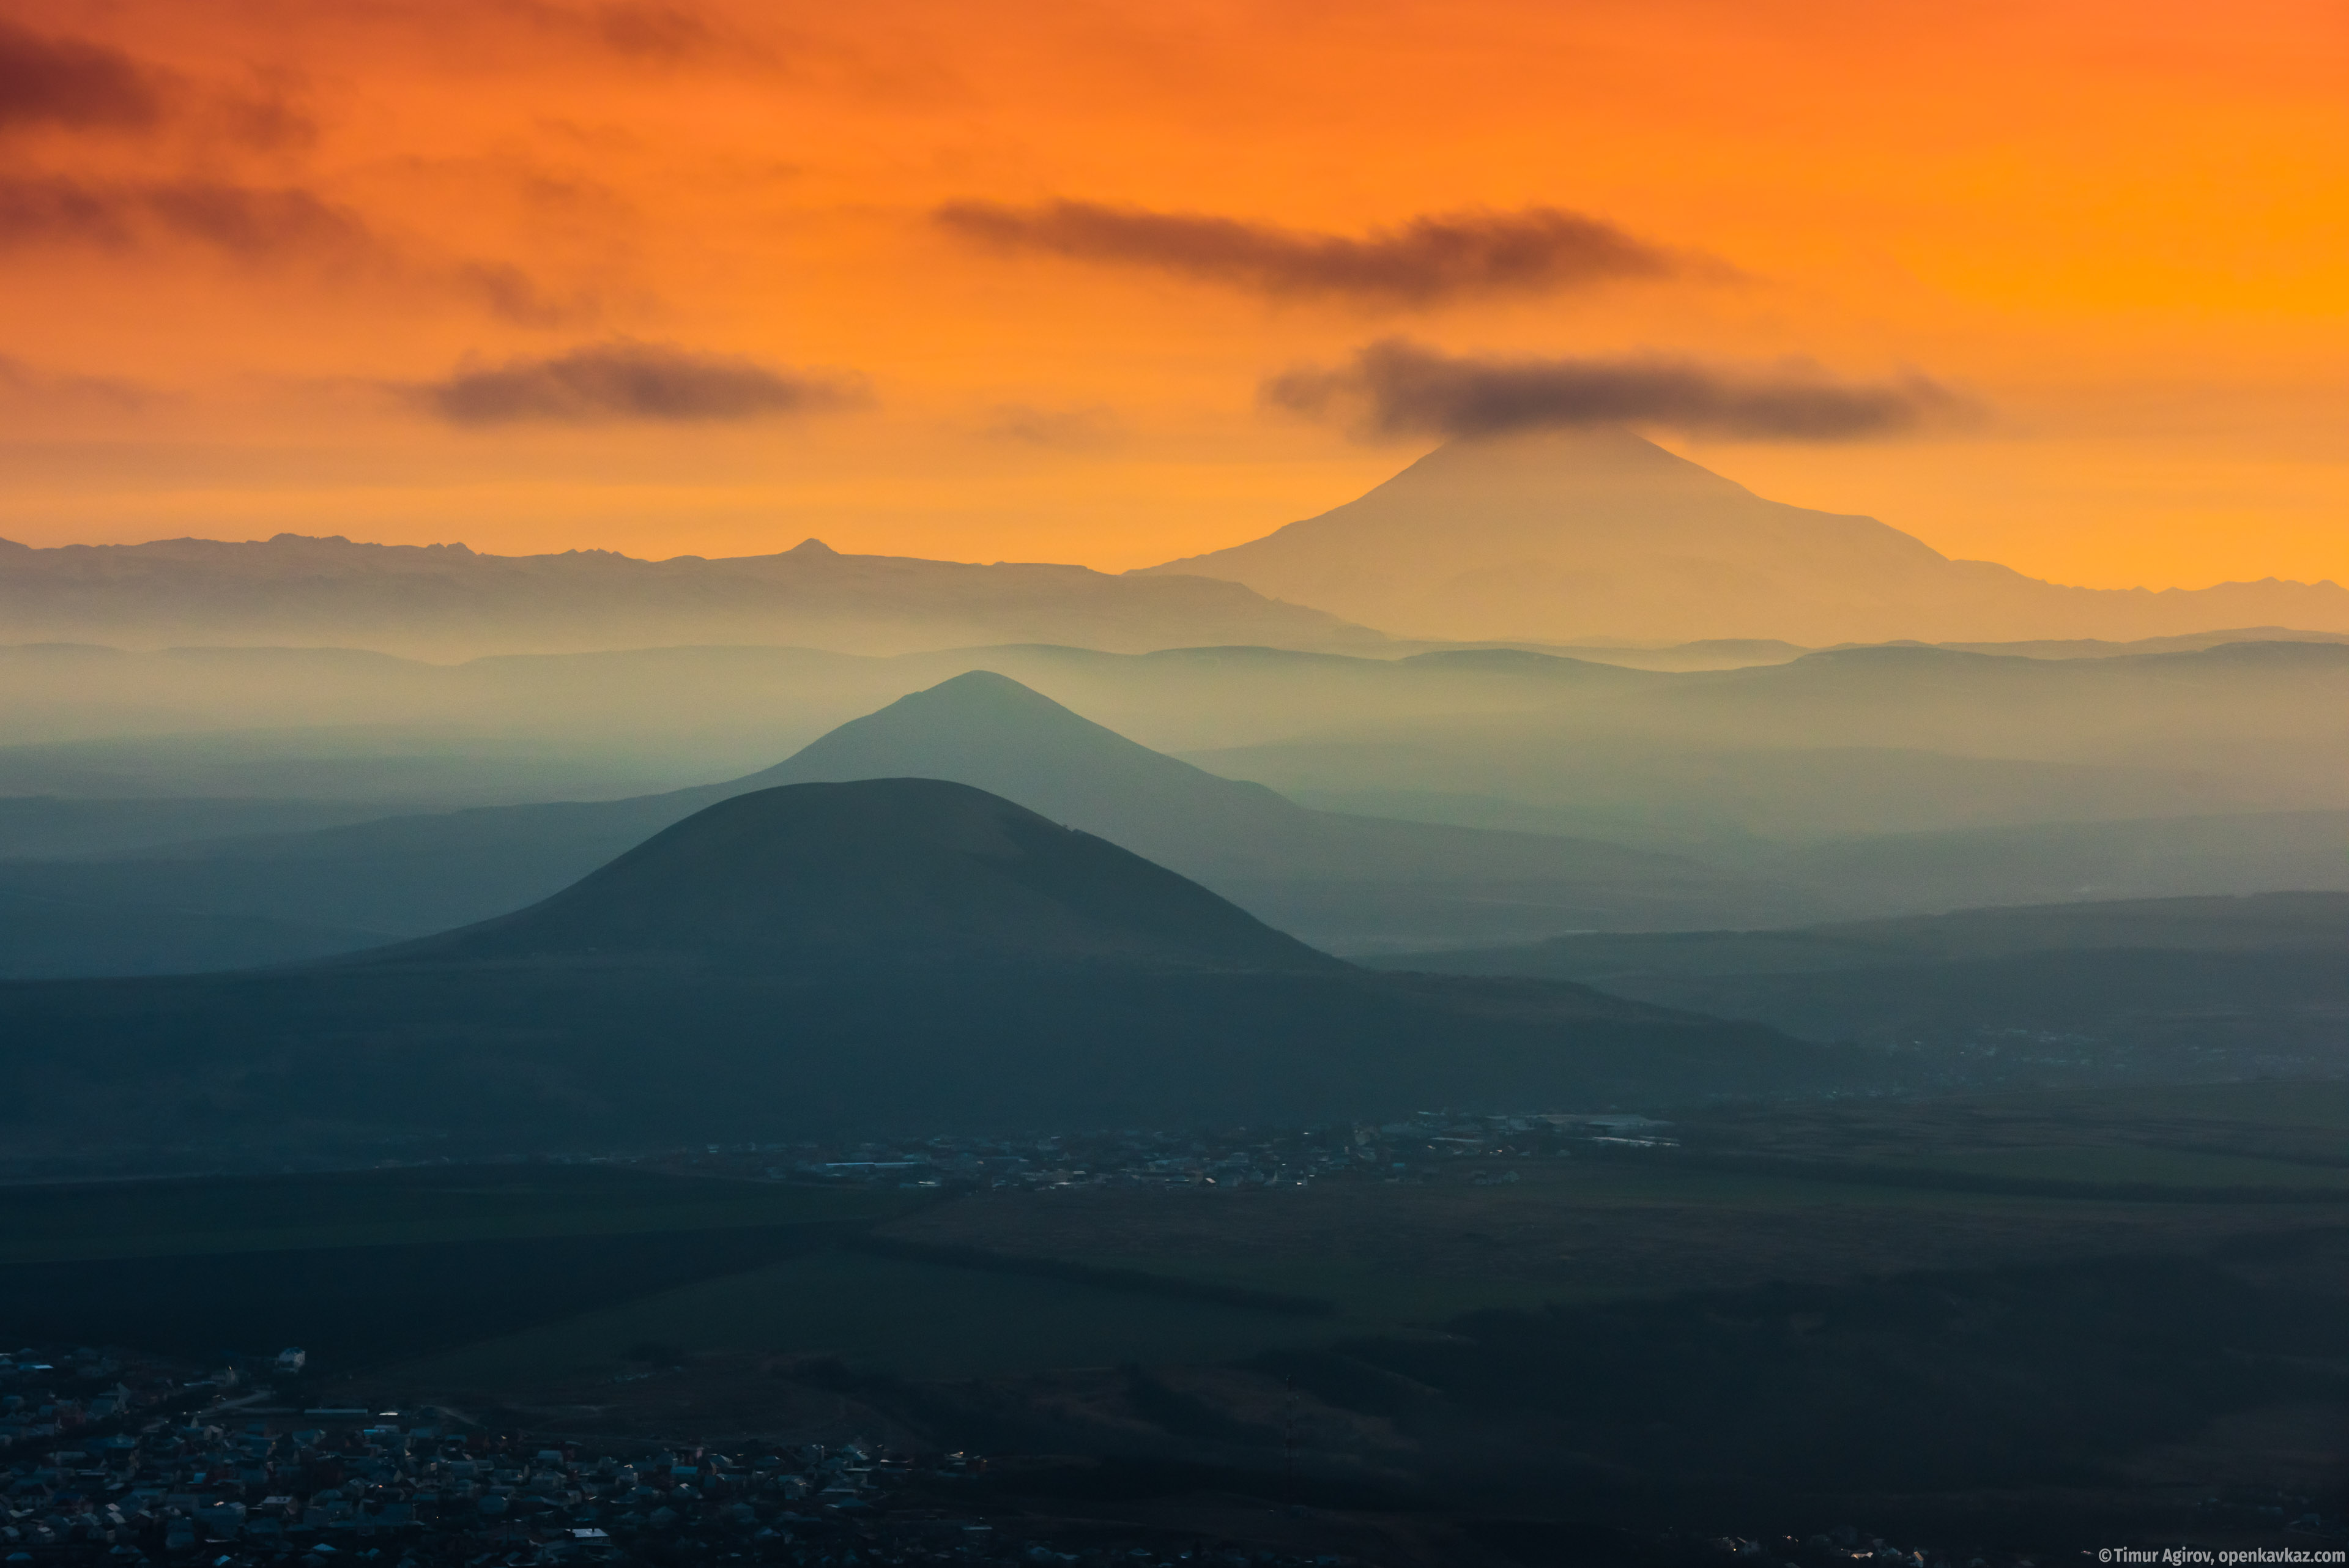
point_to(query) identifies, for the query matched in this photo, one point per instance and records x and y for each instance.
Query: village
(118, 1459)
(111, 1459)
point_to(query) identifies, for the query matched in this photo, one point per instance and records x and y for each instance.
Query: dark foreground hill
(901, 872)
(899, 956)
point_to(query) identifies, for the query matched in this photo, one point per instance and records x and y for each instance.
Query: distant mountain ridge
(445, 601)
(1548, 538)
(1602, 534)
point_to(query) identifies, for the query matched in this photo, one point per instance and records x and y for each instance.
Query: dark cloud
(1426, 261)
(49, 211)
(247, 222)
(652, 31)
(633, 382)
(1399, 389)
(257, 223)
(265, 226)
(47, 80)
(77, 85)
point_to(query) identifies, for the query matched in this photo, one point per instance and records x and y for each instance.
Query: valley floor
(2038, 1322)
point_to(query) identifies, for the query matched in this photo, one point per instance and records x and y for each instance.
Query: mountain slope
(810, 876)
(987, 730)
(1603, 534)
(891, 955)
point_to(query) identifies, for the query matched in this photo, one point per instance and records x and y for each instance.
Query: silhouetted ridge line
(877, 872)
(444, 602)
(1599, 533)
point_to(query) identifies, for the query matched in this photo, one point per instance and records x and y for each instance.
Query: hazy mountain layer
(49, 937)
(42, 825)
(2309, 922)
(444, 601)
(72, 715)
(2191, 988)
(1346, 880)
(321, 722)
(1869, 741)
(990, 731)
(892, 955)
(2059, 861)
(1602, 534)
(1822, 786)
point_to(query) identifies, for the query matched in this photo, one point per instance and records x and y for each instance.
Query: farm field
(1388, 1253)
(907, 1319)
(1392, 1260)
(364, 1268)
(386, 1208)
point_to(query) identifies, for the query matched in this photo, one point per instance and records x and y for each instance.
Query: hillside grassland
(364, 1268)
(1390, 1261)
(907, 1318)
(1411, 1254)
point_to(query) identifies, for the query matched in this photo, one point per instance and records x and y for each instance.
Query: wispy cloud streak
(70, 82)
(630, 382)
(1429, 260)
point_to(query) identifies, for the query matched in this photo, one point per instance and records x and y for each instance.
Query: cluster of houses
(209, 1472)
(115, 1461)
(1425, 1146)
(60, 1394)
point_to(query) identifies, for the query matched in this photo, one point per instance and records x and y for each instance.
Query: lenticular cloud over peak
(1395, 388)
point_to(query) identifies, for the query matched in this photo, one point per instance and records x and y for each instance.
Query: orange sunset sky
(1007, 281)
